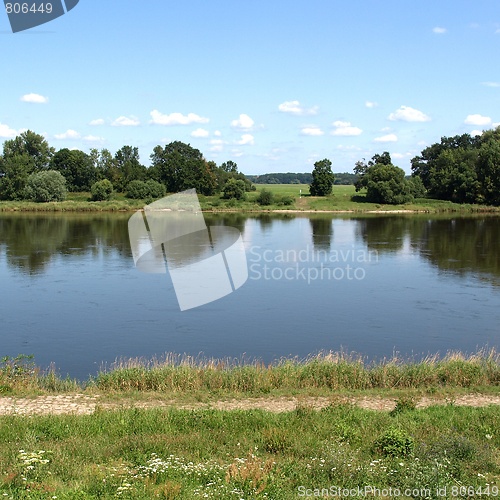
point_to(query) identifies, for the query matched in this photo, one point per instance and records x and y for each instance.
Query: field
(294, 197)
(439, 451)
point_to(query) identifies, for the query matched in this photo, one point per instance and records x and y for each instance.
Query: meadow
(440, 451)
(290, 197)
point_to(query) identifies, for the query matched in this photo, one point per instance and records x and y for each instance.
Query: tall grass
(335, 371)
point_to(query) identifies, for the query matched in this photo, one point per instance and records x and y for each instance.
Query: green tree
(488, 167)
(101, 190)
(179, 167)
(14, 172)
(322, 178)
(234, 189)
(46, 186)
(128, 167)
(386, 183)
(33, 146)
(77, 168)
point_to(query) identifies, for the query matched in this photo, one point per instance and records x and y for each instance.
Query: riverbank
(287, 198)
(184, 428)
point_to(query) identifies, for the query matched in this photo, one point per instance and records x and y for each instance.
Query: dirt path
(82, 404)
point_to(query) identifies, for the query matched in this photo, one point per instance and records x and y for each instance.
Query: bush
(265, 197)
(287, 200)
(417, 188)
(394, 443)
(46, 186)
(101, 190)
(139, 190)
(234, 189)
(387, 184)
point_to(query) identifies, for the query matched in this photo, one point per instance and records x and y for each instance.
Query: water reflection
(456, 244)
(28, 242)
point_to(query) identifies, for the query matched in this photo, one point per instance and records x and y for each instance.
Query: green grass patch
(182, 454)
(286, 197)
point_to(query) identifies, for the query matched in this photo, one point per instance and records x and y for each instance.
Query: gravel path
(82, 404)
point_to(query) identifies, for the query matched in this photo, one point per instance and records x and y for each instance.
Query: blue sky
(273, 85)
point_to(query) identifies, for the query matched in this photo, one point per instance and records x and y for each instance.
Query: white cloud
(371, 104)
(93, 138)
(477, 120)
(491, 84)
(439, 30)
(407, 114)
(217, 145)
(312, 131)
(96, 122)
(35, 98)
(295, 108)
(386, 138)
(246, 139)
(400, 156)
(495, 125)
(217, 133)
(243, 122)
(476, 133)
(200, 132)
(69, 134)
(125, 121)
(7, 132)
(158, 118)
(345, 129)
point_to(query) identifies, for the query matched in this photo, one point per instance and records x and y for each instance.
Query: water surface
(375, 285)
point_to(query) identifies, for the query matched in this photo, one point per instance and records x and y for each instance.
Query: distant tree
(234, 189)
(104, 165)
(27, 153)
(32, 145)
(101, 190)
(46, 186)
(265, 197)
(179, 167)
(488, 167)
(386, 183)
(322, 178)
(76, 167)
(141, 190)
(417, 188)
(128, 167)
(14, 172)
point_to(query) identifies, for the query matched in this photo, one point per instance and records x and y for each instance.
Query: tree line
(343, 178)
(461, 169)
(31, 169)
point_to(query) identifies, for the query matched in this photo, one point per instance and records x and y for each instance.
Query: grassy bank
(180, 376)
(290, 197)
(439, 452)
(442, 451)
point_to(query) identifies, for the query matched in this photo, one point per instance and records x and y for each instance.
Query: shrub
(234, 189)
(404, 403)
(46, 186)
(287, 200)
(265, 197)
(140, 190)
(101, 190)
(394, 443)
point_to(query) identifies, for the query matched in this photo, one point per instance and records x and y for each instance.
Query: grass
(343, 199)
(169, 453)
(182, 454)
(323, 373)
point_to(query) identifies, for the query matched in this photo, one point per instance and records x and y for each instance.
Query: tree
(179, 167)
(234, 188)
(33, 146)
(128, 167)
(46, 186)
(322, 178)
(77, 168)
(488, 167)
(386, 183)
(102, 190)
(14, 172)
